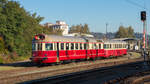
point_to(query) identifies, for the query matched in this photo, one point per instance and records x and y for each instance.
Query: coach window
(107, 46)
(49, 46)
(67, 46)
(76, 46)
(72, 46)
(110, 45)
(104, 46)
(81, 46)
(62, 46)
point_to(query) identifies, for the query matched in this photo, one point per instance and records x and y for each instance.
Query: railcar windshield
(49, 46)
(39, 47)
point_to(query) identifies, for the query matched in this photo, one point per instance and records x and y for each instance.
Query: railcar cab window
(33, 46)
(49, 46)
(39, 46)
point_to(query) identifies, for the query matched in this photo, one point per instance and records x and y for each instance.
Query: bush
(1, 60)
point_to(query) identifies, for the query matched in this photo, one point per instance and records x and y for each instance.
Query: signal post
(145, 41)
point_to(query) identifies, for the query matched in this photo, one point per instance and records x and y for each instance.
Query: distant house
(59, 25)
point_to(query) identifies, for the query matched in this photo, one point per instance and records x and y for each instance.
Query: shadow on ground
(20, 64)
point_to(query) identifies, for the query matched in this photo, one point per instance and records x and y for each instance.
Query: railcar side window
(40, 46)
(76, 46)
(72, 46)
(67, 46)
(62, 46)
(94, 46)
(49, 46)
(81, 46)
(99, 46)
(85, 46)
(33, 46)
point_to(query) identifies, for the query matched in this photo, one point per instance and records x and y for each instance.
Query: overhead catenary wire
(138, 5)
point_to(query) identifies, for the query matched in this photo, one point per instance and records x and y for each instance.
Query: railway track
(96, 76)
(17, 78)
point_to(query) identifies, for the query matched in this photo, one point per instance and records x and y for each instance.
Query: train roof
(55, 38)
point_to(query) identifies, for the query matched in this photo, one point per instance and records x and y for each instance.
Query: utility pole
(106, 29)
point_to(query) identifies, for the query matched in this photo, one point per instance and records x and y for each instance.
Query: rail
(103, 75)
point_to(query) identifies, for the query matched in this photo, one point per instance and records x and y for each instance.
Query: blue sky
(96, 13)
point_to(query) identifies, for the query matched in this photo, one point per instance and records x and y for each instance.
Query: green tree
(17, 27)
(81, 29)
(130, 32)
(125, 32)
(86, 29)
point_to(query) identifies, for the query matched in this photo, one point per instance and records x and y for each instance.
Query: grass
(4, 68)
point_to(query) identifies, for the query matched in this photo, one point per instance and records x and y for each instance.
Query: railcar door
(67, 51)
(57, 45)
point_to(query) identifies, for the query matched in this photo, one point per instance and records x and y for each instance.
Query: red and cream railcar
(114, 48)
(52, 48)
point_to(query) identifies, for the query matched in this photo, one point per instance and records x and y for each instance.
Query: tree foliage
(125, 32)
(81, 29)
(17, 28)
